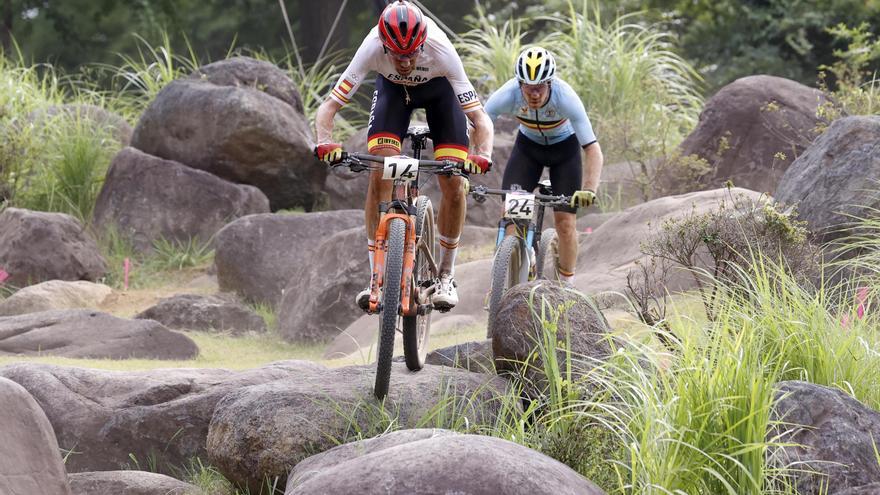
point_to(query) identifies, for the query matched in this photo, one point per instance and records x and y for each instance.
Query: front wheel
(506, 272)
(416, 329)
(548, 255)
(390, 304)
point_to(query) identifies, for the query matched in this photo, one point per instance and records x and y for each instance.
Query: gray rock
(146, 198)
(86, 334)
(30, 462)
(608, 254)
(257, 256)
(318, 301)
(54, 294)
(519, 331)
(204, 313)
(472, 356)
(246, 72)
(827, 432)
(261, 432)
(128, 483)
(316, 464)
(872, 489)
(110, 418)
(831, 181)
(37, 246)
(759, 117)
(445, 463)
(241, 134)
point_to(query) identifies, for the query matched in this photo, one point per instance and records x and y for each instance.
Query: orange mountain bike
(405, 270)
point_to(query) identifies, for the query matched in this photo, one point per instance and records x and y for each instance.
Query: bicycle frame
(400, 207)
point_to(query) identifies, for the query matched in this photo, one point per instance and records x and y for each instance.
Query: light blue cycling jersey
(562, 115)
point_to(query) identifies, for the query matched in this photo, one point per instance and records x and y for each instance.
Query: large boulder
(30, 462)
(608, 254)
(431, 461)
(146, 198)
(246, 72)
(520, 332)
(85, 334)
(318, 301)
(204, 313)
(257, 256)
(747, 127)
(834, 180)
(37, 246)
(55, 294)
(238, 132)
(260, 432)
(831, 437)
(109, 419)
(871, 489)
(128, 483)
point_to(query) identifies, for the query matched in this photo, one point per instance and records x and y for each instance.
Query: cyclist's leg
(389, 118)
(523, 167)
(448, 125)
(566, 175)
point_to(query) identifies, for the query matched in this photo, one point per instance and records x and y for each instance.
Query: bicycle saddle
(418, 131)
(544, 187)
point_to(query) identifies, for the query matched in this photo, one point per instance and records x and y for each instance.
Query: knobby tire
(390, 305)
(505, 274)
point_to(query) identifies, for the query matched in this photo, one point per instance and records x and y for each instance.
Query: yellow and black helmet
(535, 65)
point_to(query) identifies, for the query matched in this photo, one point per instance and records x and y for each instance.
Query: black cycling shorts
(394, 103)
(528, 159)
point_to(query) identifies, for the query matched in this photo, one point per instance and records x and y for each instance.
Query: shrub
(723, 246)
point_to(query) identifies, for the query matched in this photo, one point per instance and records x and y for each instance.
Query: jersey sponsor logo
(466, 97)
(383, 141)
(406, 79)
(422, 69)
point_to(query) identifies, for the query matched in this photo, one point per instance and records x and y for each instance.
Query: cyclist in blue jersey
(554, 132)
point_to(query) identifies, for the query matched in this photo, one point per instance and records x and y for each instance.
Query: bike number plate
(520, 206)
(400, 168)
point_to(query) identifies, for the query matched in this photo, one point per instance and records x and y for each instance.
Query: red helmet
(402, 28)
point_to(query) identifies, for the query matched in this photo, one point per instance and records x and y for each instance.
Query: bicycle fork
(377, 280)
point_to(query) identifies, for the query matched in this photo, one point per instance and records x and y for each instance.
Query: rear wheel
(506, 271)
(390, 304)
(416, 329)
(548, 255)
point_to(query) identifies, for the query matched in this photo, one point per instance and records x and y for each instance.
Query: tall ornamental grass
(642, 97)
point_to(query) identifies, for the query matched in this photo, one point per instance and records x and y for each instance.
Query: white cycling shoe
(445, 294)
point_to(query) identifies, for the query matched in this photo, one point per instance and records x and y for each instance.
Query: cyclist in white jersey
(555, 133)
(417, 67)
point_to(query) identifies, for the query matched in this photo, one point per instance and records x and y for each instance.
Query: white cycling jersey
(438, 59)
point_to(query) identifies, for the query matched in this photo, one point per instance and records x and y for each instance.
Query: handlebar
(479, 193)
(355, 163)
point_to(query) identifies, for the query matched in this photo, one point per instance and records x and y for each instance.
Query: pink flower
(861, 298)
(3, 275)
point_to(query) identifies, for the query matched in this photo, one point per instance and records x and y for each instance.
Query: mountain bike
(405, 270)
(521, 248)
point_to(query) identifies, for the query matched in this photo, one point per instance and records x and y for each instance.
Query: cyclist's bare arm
(324, 120)
(484, 132)
(592, 163)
